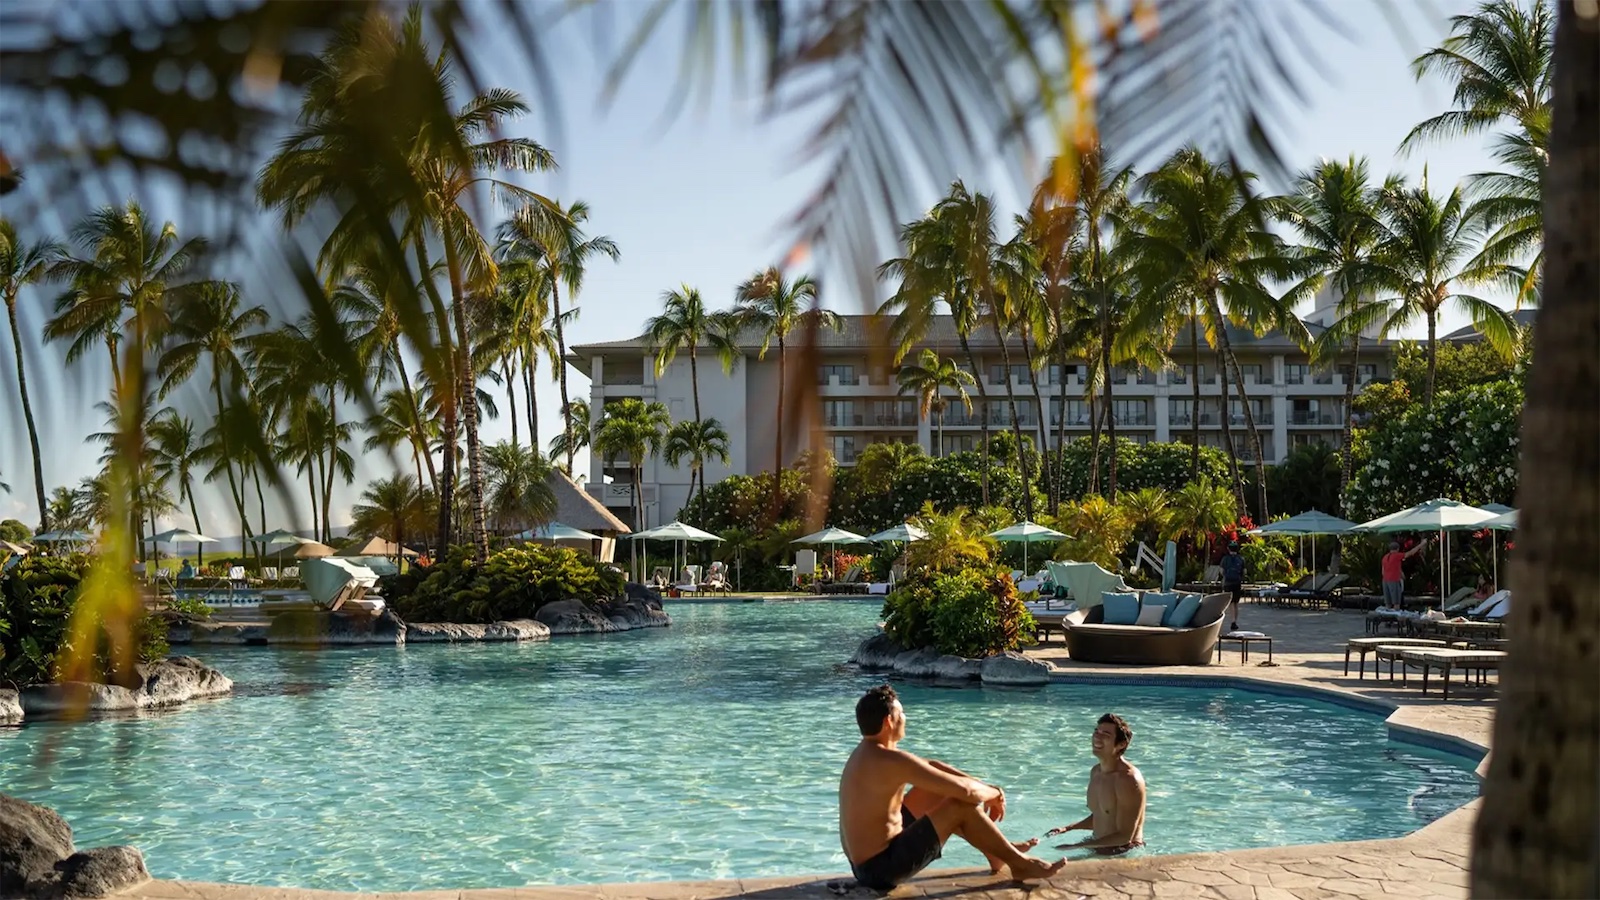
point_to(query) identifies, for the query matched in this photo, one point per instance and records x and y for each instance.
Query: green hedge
(972, 613)
(512, 584)
(37, 601)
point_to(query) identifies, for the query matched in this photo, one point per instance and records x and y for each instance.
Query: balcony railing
(1139, 419)
(841, 420)
(1321, 417)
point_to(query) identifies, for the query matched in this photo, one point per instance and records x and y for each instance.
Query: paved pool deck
(1309, 652)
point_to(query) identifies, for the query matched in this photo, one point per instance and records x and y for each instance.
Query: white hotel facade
(851, 376)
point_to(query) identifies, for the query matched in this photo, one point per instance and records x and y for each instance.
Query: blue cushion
(1121, 609)
(1157, 598)
(1181, 615)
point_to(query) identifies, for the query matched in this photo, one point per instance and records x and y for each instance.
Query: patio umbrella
(280, 537)
(1312, 522)
(1506, 521)
(1026, 533)
(1441, 515)
(377, 546)
(904, 534)
(312, 550)
(676, 532)
(180, 536)
(554, 531)
(16, 549)
(63, 537)
(832, 537)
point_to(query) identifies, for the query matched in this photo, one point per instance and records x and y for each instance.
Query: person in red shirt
(1394, 575)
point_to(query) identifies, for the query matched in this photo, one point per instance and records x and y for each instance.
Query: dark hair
(873, 709)
(1124, 732)
(1233, 545)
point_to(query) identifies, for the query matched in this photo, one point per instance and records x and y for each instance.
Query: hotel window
(997, 374)
(1366, 372)
(1295, 373)
(844, 448)
(959, 443)
(1062, 374)
(1180, 412)
(1260, 408)
(1248, 372)
(894, 412)
(1131, 412)
(1075, 412)
(839, 413)
(845, 374)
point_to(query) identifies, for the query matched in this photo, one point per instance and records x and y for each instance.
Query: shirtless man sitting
(1116, 794)
(889, 834)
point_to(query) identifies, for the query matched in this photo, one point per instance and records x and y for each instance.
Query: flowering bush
(512, 584)
(974, 613)
(1463, 447)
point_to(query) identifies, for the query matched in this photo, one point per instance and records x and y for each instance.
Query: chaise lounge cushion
(1211, 608)
(1121, 609)
(1183, 613)
(1151, 614)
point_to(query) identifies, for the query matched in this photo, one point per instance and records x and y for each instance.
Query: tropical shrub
(512, 584)
(954, 541)
(189, 607)
(1464, 447)
(1097, 531)
(974, 612)
(1166, 466)
(38, 599)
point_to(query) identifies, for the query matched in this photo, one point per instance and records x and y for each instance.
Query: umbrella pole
(1444, 557)
(1494, 555)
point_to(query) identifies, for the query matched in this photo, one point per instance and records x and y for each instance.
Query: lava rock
(643, 594)
(102, 871)
(10, 706)
(877, 652)
(456, 633)
(574, 617)
(32, 840)
(630, 614)
(1014, 668)
(167, 682)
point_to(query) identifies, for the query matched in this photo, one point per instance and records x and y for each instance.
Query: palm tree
(176, 455)
(1499, 59)
(209, 322)
(397, 421)
(393, 508)
(68, 510)
(555, 239)
(699, 441)
(519, 487)
(1334, 210)
(1149, 511)
(686, 323)
(775, 307)
(575, 433)
(21, 265)
(633, 429)
(1424, 257)
(929, 378)
(127, 268)
(1199, 237)
(1198, 510)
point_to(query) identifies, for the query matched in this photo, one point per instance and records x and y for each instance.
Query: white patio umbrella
(1311, 522)
(1441, 515)
(63, 537)
(280, 537)
(677, 532)
(832, 537)
(1026, 533)
(555, 531)
(904, 533)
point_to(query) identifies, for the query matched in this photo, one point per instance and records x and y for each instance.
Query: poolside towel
(1245, 634)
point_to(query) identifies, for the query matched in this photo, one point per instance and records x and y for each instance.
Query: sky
(699, 200)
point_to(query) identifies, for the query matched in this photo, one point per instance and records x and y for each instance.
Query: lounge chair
(850, 582)
(269, 573)
(292, 573)
(237, 577)
(716, 579)
(661, 578)
(1462, 599)
(1470, 660)
(805, 566)
(689, 582)
(1482, 610)
(1089, 639)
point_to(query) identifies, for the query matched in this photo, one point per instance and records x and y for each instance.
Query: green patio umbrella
(832, 537)
(1442, 515)
(1311, 522)
(1026, 533)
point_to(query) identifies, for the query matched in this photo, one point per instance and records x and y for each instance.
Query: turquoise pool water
(707, 750)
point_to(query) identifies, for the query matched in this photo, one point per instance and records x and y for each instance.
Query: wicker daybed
(1089, 639)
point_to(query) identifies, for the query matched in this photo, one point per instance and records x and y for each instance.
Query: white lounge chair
(805, 566)
(1483, 609)
(716, 579)
(689, 583)
(269, 573)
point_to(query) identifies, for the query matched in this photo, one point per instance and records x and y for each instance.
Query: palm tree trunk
(320, 524)
(1042, 425)
(1537, 831)
(638, 499)
(694, 385)
(533, 402)
(1433, 353)
(419, 443)
(469, 405)
(1094, 442)
(983, 417)
(1249, 415)
(1016, 427)
(1111, 411)
(227, 454)
(1194, 412)
(261, 501)
(1346, 460)
(939, 450)
(27, 415)
(194, 512)
(1227, 427)
(444, 382)
(783, 374)
(511, 398)
(116, 370)
(312, 459)
(561, 368)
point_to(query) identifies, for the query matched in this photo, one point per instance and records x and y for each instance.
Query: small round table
(1244, 641)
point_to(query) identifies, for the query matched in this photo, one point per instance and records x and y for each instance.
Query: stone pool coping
(1428, 863)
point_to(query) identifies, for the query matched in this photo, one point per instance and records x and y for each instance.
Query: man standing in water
(889, 834)
(1116, 794)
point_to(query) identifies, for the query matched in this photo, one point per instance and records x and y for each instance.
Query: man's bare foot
(1030, 868)
(996, 865)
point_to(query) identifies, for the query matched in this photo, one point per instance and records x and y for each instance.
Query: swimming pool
(707, 750)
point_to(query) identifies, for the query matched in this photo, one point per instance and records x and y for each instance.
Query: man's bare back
(889, 834)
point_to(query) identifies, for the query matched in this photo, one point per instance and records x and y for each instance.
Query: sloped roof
(575, 507)
(1523, 317)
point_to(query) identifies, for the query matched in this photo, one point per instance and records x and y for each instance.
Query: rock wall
(10, 706)
(880, 654)
(312, 628)
(37, 858)
(168, 682)
(452, 633)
